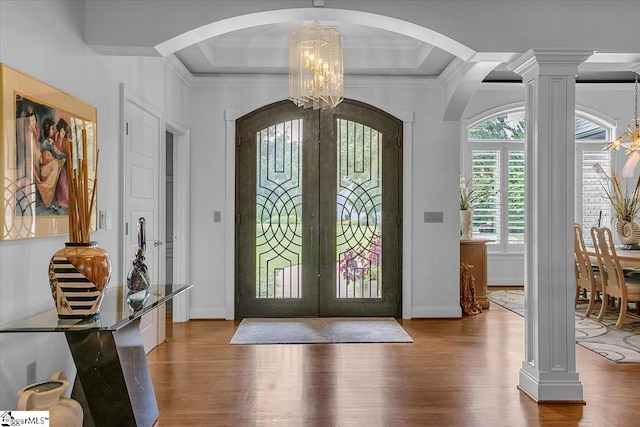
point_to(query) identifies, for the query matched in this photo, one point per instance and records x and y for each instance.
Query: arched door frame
(407, 131)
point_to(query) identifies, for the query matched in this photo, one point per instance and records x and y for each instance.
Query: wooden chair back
(614, 282)
(586, 277)
(612, 276)
(584, 268)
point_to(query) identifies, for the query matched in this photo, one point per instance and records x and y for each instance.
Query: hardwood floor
(458, 372)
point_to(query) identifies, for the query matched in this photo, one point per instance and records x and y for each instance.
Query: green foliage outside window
(500, 127)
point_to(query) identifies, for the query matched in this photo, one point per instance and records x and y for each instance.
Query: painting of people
(42, 133)
(39, 125)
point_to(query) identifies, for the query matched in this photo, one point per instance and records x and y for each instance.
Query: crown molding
(178, 67)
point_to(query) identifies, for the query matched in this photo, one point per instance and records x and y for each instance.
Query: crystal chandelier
(315, 67)
(629, 140)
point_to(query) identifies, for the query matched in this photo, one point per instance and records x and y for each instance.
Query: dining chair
(587, 275)
(614, 282)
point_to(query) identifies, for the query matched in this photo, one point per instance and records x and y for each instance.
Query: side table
(474, 252)
(112, 383)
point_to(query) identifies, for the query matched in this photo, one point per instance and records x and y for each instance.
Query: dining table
(629, 258)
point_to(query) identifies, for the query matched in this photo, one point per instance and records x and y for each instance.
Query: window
(496, 147)
(497, 163)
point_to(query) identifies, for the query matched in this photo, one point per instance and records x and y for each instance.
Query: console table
(474, 252)
(112, 383)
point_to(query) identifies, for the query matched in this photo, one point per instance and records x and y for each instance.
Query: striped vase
(78, 276)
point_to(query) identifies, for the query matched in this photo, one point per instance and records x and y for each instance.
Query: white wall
(609, 102)
(45, 40)
(434, 252)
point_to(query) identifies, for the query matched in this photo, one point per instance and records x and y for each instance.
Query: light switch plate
(107, 220)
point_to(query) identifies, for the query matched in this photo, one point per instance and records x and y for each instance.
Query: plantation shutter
(595, 207)
(485, 173)
(515, 198)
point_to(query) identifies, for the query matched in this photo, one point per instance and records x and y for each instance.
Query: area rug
(618, 345)
(320, 330)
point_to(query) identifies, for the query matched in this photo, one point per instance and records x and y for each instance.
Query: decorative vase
(628, 232)
(47, 396)
(466, 231)
(138, 277)
(78, 277)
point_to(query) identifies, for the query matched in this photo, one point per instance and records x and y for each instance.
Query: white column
(548, 372)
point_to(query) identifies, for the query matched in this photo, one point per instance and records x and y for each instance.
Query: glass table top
(119, 307)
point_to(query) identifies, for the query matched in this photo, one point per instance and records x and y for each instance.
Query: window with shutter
(497, 163)
(496, 146)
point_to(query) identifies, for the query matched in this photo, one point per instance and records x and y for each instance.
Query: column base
(555, 390)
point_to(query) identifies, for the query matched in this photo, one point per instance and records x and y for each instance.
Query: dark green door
(318, 209)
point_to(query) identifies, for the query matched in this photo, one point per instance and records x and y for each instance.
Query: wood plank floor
(458, 372)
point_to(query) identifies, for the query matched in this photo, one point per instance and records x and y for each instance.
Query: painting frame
(36, 120)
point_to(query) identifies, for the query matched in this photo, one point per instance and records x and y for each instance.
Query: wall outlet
(217, 216)
(31, 373)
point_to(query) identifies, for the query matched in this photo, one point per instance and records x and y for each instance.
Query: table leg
(113, 383)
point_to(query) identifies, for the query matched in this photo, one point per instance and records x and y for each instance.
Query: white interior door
(142, 154)
(180, 210)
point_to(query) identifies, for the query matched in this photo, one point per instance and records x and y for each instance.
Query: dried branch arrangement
(81, 202)
(626, 204)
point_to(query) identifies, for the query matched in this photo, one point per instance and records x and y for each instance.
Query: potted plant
(469, 199)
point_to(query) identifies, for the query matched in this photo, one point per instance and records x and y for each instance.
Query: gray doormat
(319, 330)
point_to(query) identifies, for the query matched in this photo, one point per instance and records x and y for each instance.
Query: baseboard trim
(213, 313)
(436, 312)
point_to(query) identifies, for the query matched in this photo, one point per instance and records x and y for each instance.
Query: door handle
(157, 243)
(324, 242)
(313, 247)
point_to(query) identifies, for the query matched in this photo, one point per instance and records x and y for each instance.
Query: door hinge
(399, 219)
(127, 128)
(239, 141)
(238, 219)
(398, 142)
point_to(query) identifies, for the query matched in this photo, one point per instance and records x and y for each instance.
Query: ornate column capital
(550, 61)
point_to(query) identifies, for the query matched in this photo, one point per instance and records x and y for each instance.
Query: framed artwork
(36, 121)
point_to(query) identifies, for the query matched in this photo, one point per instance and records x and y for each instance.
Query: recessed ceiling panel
(264, 50)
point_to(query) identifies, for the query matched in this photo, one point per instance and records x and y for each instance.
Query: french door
(318, 212)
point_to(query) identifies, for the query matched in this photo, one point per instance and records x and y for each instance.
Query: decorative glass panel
(279, 211)
(359, 211)
(485, 176)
